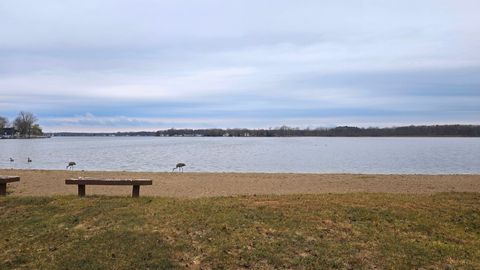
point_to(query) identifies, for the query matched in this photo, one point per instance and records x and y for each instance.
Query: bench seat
(82, 182)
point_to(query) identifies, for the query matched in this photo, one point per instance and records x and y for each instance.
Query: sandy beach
(193, 185)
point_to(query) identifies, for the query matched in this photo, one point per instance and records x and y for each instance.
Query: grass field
(329, 231)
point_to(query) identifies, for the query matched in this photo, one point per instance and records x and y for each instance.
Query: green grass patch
(327, 231)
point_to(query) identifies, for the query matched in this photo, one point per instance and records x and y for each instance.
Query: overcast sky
(145, 65)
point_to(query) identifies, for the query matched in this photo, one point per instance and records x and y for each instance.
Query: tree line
(285, 131)
(343, 131)
(24, 125)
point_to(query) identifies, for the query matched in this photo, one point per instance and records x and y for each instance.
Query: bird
(29, 160)
(179, 166)
(71, 164)
(12, 160)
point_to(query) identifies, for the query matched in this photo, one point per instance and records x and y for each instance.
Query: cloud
(93, 64)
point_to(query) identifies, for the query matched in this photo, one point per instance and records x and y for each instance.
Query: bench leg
(81, 190)
(136, 191)
(3, 189)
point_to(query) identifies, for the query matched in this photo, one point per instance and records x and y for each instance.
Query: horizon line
(269, 128)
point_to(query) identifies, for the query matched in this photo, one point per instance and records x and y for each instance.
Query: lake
(227, 154)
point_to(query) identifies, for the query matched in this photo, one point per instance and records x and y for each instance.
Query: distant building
(8, 132)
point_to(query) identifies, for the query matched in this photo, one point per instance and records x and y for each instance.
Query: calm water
(335, 155)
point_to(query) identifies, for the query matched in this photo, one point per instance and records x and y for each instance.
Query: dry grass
(327, 231)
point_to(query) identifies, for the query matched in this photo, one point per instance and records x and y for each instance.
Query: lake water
(203, 154)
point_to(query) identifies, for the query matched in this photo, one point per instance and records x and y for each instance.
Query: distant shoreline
(413, 136)
(25, 138)
(284, 131)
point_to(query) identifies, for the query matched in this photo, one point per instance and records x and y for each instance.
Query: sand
(193, 185)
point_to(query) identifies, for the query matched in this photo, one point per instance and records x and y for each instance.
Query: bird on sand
(179, 166)
(71, 164)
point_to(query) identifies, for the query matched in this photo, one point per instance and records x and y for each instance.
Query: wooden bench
(82, 182)
(3, 183)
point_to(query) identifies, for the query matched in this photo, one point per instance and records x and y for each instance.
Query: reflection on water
(334, 155)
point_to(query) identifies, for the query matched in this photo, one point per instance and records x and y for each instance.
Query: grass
(330, 231)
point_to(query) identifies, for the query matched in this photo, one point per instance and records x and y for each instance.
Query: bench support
(3, 189)
(3, 183)
(81, 190)
(136, 191)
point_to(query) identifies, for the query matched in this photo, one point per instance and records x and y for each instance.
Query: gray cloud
(128, 64)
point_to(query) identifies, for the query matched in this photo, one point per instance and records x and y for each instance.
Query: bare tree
(24, 123)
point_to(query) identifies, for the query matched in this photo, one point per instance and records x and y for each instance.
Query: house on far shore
(8, 133)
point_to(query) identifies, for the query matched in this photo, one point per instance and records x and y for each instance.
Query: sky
(117, 65)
